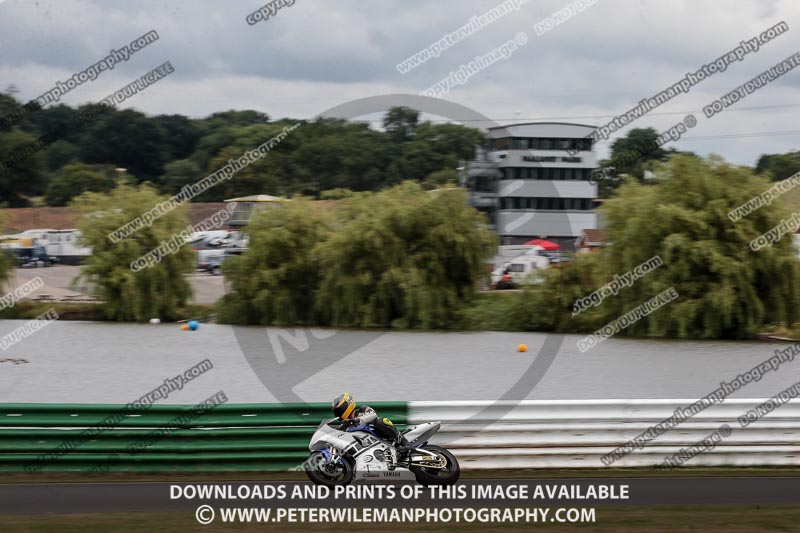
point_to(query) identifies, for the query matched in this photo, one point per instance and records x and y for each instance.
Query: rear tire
(435, 476)
(342, 476)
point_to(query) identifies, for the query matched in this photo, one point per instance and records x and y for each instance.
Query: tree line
(323, 158)
(406, 257)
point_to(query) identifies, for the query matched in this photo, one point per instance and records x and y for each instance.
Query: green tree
(157, 291)
(256, 178)
(407, 258)
(181, 135)
(56, 121)
(178, 174)
(7, 262)
(60, 153)
(276, 280)
(22, 179)
(400, 258)
(331, 154)
(224, 119)
(400, 123)
(73, 180)
(547, 305)
(434, 148)
(632, 153)
(779, 166)
(441, 178)
(726, 290)
(335, 194)
(126, 139)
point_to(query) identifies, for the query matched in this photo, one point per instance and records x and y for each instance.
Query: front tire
(435, 476)
(342, 473)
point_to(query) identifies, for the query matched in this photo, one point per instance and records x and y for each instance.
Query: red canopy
(547, 245)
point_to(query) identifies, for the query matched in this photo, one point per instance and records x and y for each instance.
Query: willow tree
(131, 294)
(725, 289)
(276, 280)
(404, 258)
(7, 261)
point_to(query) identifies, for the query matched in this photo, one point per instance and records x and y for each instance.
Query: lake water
(82, 362)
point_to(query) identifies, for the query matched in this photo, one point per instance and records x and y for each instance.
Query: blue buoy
(193, 324)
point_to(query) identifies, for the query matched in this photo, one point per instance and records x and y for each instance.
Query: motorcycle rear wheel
(435, 476)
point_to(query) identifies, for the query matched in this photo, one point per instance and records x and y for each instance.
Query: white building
(533, 181)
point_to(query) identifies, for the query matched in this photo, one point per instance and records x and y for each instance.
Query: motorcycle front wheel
(321, 472)
(438, 476)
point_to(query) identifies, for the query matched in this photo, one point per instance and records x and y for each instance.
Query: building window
(546, 204)
(500, 144)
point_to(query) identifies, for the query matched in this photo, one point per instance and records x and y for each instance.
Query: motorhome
(64, 244)
(61, 244)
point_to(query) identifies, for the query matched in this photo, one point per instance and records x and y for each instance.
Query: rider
(344, 407)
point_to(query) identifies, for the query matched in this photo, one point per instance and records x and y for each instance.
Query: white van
(519, 271)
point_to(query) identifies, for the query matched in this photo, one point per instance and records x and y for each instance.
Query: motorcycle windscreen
(327, 435)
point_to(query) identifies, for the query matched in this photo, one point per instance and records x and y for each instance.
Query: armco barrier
(257, 437)
(578, 433)
(261, 437)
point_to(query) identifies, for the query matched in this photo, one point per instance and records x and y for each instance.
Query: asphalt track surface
(73, 498)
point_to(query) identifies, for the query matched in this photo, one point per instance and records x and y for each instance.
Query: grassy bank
(487, 311)
(548, 473)
(28, 309)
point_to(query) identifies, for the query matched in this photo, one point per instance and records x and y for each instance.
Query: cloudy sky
(317, 54)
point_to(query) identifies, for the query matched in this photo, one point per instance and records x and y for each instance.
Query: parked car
(33, 257)
(210, 260)
(212, 263)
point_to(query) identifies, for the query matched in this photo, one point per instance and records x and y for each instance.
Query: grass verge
(134, 477)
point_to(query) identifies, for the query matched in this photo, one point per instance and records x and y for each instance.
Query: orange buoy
(185, 327)
(522, 348)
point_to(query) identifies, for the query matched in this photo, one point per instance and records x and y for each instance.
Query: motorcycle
(338, 457)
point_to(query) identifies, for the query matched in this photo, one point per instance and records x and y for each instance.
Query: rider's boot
(403, 448)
